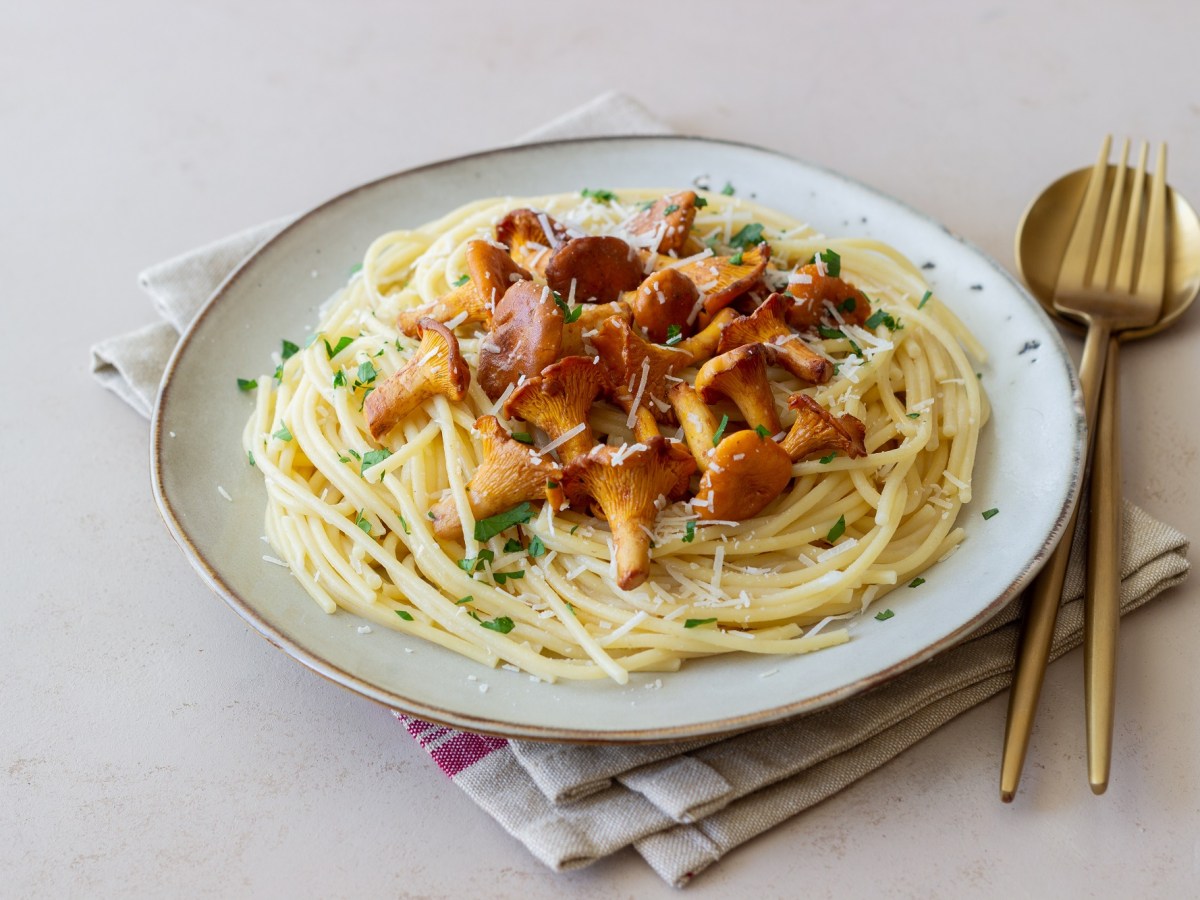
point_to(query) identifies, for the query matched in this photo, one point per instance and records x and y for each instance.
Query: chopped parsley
(925, 299)
(474, 563)
(512, 545)
(372, 458)
(357, 268)
(570, 314)
(502, 624)
(674, 207)
(283, 434)
(690, 531)
(916, 582)
(915, 415)
(461, 280)
(289, 350)
(747, 236)
(883, 317)
(501, 577)
(696, 623)
(988, 513)
(838, 529)
(848, 305)
(428, 513)
(247, 384)
(570, 607)
(574, 528)
(404, 525)
(736, 259)
(406, 616)
(361, 521)
(884, 616)
(486, 529)
(250, 454)
(762, 431)
(599, 194)
(343, 342)
(339, 378)
(674, 335)
(537, 548)
(720, 432)
(523, 437)
(830, 334)
(832, 261)
(700, 203)
(366, 374)
(826, 460)
(728, 189)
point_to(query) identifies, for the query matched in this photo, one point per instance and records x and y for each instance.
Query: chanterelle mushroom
(699, 424)
(666, 298)
(436, 367)
(636, 368)
(557, 401)
(702, 345)
(741, 375)
(490, 273)
(817, 430)
(815, 292)
(625, 484)
(525, 235)
(722, 280)
(668, 219)
(510, 473)
(768, 325)
(745, 473)
(526, 336)
(599, 267)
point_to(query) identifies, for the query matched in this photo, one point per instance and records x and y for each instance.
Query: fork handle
(1037, 632)
(1102, 603)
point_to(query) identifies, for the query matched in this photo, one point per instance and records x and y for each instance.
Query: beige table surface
(152, 744)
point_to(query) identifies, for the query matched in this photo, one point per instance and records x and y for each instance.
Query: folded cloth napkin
(681, 805)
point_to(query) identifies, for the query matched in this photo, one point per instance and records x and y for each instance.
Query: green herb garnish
(915, 415)
(250, 454)
(361, 521)
(404, 525)
(916, 582)
(674, 207)
(988, 513)
(474, 563)
(832, 261)
(599, 194)
(925, 299)
(289, 350)
(371, 458)
(470, 598)
(728, 189)
(696, 623)
(283, 434)
(830, 334)
(343, 342)
(720, 432)
(366, 374)
(488, 528)
(461, 280)
(674, 335)
(537, 548)
(247, 384)
(406, 616)
(570, 313)
(883, 317)
(762, 431)
(700, 203)
(501, 577)
(356, 269)
(736, 259)
(502, 624)
(690, 531)
(826, 460)
(884, 616)
(838, 529)
(523, 437)
(848, 305)
(512, 545)
(339, 378)
(747, 236)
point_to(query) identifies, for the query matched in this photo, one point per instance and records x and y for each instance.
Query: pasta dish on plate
(591, 434)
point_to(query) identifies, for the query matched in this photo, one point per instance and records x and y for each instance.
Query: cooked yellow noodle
(360, 540)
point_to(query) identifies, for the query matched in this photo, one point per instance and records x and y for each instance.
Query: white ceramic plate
(1029, 464)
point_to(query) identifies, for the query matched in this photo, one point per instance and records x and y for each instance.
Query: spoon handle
(1102, 603)
(1041, 613)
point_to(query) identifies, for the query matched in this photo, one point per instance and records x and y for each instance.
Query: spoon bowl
(1045, 229)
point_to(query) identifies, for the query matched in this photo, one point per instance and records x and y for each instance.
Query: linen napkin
(681, 805)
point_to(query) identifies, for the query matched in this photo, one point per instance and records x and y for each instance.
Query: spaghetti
(351, 515)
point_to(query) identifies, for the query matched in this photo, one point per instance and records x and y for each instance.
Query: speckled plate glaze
(1029, 463)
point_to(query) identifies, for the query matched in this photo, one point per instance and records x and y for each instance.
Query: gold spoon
(1041, 244)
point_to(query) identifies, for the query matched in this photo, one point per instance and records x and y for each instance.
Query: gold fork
(1111, 281)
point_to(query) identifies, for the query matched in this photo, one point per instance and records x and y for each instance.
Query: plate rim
(715, 727)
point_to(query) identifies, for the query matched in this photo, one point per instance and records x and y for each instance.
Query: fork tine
(1103, 269)
(1152, 276)
(1123, 280)
(1077, 259)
